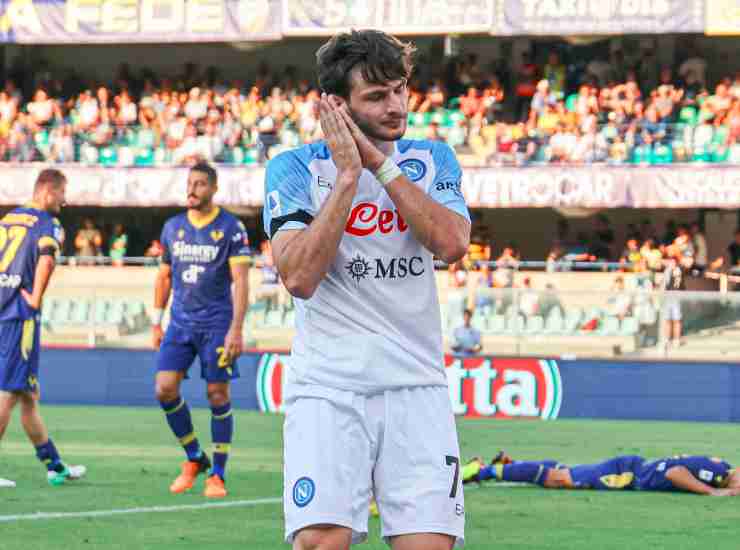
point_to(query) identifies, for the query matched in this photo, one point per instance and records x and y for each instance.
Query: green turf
(132, 458)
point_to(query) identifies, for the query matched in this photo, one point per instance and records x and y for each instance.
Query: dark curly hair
(380, 56)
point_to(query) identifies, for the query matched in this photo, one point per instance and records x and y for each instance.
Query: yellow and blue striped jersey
(201, 254)
(26, 233)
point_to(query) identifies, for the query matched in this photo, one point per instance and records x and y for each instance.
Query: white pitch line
(152, 509)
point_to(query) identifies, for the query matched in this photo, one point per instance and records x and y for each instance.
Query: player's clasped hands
(339, 138)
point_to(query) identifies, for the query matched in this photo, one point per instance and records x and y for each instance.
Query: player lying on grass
(695, 474)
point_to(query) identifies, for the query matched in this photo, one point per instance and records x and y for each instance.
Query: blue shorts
(20, 343)
(620, 473)
(180, 347)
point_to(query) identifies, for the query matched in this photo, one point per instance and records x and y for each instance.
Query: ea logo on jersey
(303, 491)
(413, 169)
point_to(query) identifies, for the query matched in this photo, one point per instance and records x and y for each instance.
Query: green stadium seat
(108, 156)
(80, 312)
(101, 308)
(572, 320)
(61, 313)
(115, 314)
(479, 321)
(535, 325)
(516, 324)
(144, 157)
(629, 326)
(554, 323)
(609, 326)
(497, 324)
(251, 156)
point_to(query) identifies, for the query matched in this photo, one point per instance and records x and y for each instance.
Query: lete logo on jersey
(504, 388)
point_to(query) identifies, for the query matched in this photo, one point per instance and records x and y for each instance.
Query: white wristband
(158, 317)
(387, 172)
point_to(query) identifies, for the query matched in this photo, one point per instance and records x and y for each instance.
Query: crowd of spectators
(549, 113)
(645, 250)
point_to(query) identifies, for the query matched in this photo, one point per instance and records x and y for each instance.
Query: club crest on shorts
(303, 491)
(413, 169)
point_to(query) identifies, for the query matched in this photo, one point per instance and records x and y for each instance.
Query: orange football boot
(189, 473)
(215, 487)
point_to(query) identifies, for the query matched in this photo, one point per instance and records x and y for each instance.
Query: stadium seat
(60, 315)
(80, 311)
(108, 156)
(101, 310)
(516, 324)
(572, 320)
(554, 323)
(535, 325)
(497, 324)
(629, 326)
(609, 326)
(479, 321)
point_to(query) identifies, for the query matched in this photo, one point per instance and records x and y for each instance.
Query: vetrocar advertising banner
(500, 187)
(325, 17)
(589, 17)
(121, 21)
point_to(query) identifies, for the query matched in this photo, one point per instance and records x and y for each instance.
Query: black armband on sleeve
(299, 216)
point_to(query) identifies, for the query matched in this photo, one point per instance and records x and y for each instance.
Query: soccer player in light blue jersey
(355, 222)
(701, 475)
(30, 238)
(205, 252)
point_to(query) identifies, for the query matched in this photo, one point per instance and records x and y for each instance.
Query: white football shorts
(341, 447)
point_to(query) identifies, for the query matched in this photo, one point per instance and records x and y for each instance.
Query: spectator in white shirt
(466, 338)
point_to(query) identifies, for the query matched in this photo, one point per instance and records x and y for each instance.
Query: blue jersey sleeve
(50, 237)
(165, 242)
(288, 203)
(712, 471)
(446, 188)
(238, 246)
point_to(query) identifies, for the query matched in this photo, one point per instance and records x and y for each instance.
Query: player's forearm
(162, 289)
(304, 262)
(443, 232)
(682, 478)
(41, 279)
(241, 296)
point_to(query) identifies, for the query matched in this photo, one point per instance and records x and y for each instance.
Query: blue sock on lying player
(49, 456)
(222, 430)
(530, 472)
(181, 424)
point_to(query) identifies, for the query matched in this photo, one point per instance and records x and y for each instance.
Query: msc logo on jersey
(217, 235)
(303, 491)
(181, 234)
(413, 169)
(360, 268)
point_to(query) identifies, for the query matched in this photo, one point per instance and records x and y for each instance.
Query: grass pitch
(132, 457)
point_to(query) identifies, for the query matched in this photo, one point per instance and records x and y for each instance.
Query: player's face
(55, 197)
(200, 191)
(379, 109)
